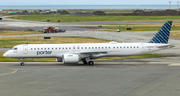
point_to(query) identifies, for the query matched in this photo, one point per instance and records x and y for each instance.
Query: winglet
(162, 36)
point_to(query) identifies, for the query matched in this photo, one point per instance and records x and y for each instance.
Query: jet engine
(70, 58)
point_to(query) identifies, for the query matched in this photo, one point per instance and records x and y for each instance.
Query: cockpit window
(15, 48)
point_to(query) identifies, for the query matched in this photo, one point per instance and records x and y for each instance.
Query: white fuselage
(91, 50)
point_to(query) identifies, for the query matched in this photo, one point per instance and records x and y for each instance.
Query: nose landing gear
(22, 63)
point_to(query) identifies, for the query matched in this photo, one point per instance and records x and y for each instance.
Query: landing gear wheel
(91, 63)
(22, 63)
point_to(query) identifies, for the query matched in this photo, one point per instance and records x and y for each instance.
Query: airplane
(74, 53)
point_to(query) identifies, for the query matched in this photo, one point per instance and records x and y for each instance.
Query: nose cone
(5, 54)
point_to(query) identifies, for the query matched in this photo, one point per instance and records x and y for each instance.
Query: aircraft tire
(91, 63)
(22, 63)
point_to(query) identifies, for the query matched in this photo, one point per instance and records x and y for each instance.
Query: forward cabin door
(142, 47)
(25, 49)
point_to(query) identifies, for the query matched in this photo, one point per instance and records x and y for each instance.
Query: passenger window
(81, 47)
(62, 47)
(41, 48)
(117, 47)
(69, 47)
(34, 48)
(66, 48)
(89, 47)
(99, 47)
(52, 48)
(114, 47)
(85, 47)
(124, 47)
(95, 47)
(92, 47)
(109, 47)
(44, 48)
(137, 47)
(31, 48)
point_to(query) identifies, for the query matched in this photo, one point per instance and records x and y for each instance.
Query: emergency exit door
(142, 47)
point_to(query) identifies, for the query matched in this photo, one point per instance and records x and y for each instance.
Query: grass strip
(175, 34)
(68, 18)
(132, 57)
(9, 42)
(137, 28)
(18, 32)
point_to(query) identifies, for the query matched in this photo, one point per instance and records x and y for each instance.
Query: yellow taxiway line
(15, 70)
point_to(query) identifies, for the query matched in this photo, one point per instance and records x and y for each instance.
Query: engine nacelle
(58, 59)
(71, 58)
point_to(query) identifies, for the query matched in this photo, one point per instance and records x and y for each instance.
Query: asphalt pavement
(102, 79)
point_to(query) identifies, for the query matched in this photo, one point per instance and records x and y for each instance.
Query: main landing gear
(91, 63)
(87, 61)
(22, 63)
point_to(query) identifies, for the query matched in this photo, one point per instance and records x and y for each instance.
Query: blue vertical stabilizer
(163, 34)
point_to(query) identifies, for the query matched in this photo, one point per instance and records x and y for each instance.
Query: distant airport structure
(35, 11)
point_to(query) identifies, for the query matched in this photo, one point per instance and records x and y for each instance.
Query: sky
(88, 2)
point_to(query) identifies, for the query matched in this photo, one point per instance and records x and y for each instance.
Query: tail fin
(162, 36)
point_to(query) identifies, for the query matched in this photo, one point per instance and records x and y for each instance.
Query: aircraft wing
(98, 52)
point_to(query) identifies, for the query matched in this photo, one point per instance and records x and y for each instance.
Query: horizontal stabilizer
(165, 46)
